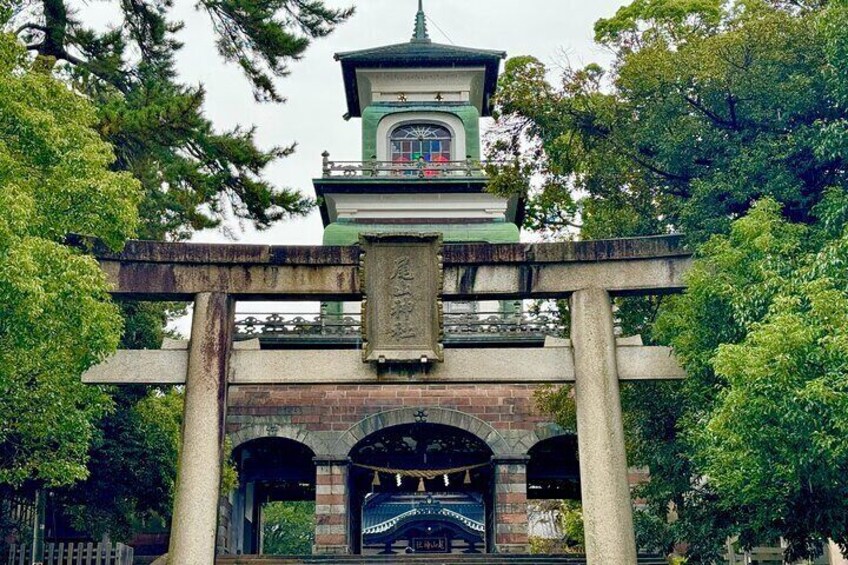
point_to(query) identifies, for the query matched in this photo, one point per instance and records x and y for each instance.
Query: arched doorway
(423, 488)
(553, 493)
(274, 505)
(553, 470)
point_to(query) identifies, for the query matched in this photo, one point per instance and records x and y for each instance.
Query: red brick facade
(511, 528)
(331, 508)
(331, 419)
(337, 408)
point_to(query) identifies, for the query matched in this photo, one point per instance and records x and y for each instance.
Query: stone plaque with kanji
(401, 278)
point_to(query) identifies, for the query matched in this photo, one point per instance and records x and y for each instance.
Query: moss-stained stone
(374, 114)
(495, 232)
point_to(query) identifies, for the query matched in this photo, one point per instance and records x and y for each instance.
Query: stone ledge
(240, 254)
(461, 366)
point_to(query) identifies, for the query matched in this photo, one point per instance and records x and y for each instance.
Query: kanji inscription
(403, 300)
(402, 311)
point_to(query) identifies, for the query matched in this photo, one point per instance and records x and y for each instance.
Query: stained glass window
(415, 141)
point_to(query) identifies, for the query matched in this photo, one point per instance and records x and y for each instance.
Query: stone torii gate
(214, 277)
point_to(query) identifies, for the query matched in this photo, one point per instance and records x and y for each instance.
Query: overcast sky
(551, 30)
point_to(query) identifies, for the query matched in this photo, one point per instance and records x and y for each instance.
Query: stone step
(420, 560)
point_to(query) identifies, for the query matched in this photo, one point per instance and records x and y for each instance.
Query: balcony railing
(347, 328)
(419, 169)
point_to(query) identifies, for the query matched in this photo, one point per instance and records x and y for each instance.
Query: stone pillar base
(225, 516)
(835, 555)
(518, 549)
(330, 550)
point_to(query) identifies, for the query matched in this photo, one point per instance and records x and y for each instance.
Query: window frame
(451, 138)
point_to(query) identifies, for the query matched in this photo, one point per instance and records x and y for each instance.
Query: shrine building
(403, 468)
(400, 398)
(400, 401)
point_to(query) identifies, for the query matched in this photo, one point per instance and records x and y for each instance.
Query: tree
(192, 175)
(132, 458)
(56, 318)
(289, 528)
(709, 108)
(765, 415)
(133, 466)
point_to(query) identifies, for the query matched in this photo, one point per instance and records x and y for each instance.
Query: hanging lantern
(467, 480)
(421, 487)
(376, 481)
(399, 480)
(447, 480)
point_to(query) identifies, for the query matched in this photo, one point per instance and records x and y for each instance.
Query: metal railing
(458, 327)
(419, 169)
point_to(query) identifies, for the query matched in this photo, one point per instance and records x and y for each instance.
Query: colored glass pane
(412, 142)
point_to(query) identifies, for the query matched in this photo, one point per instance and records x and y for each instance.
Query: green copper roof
(419, 53)
(494, 232)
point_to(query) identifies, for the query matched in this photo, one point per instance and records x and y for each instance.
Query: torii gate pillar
(195, 518)
(607, 511)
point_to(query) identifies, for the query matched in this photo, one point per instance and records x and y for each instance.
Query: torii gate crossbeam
(214, 276)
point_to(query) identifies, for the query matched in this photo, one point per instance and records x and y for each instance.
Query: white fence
(74, 554)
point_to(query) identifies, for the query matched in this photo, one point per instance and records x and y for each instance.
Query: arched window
(412, 142)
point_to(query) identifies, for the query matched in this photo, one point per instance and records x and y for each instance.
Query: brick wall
(511, 527)
(337, 408)
(331, 512)
(331, 419)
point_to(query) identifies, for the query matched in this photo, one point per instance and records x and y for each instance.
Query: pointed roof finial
(421, 25)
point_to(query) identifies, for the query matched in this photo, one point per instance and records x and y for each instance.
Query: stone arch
(547, 431)
(284, 431)
(434, 415)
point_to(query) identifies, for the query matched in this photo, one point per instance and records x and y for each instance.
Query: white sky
(551, 30)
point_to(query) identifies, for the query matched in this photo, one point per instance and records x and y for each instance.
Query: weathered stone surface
(460, 366)
(567, 252)
(835, 554)
(607, 512)
(636, 363)
(194, 524)
(503, 415)
(178, 271)
(471, 254)
(181, 281)
(161, 367)
(220, 254)
(249, 365)
(401, 277)
(164, 281)
(554, 280)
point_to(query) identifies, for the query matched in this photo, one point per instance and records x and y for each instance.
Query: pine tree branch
(27, 26)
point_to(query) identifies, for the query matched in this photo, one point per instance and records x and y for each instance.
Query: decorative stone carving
(401, 277)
